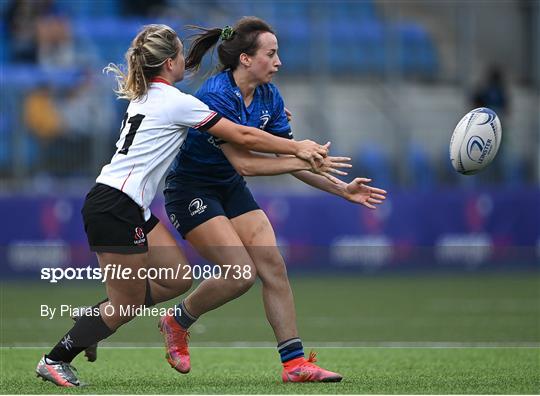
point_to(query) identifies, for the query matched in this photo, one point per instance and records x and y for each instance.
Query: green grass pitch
(472, 334)
(256, 370)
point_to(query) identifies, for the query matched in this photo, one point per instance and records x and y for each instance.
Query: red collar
(160, 80)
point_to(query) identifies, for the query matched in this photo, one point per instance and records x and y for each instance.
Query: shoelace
(312, 357)
(310, 360)
(308, 368)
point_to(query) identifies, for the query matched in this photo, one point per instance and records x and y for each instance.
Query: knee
(246, 280)
(272, 268)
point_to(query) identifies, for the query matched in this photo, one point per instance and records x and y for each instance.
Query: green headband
(226, 33)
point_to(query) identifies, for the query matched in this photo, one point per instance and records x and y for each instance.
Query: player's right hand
(331, 165)
(311, 151)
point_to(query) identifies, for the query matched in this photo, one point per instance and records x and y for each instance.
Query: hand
(329, 165)
(358, 192)
(310, 151)
(288, 114)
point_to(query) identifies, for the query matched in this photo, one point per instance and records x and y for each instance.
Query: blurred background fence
(385, 81)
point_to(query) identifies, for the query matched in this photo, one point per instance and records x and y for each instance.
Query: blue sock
(290, 349)
(183, 317)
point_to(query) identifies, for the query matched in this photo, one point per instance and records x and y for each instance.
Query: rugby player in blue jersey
(208, 201)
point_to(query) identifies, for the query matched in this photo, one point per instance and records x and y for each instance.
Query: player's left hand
(358, 192)
(288, 114)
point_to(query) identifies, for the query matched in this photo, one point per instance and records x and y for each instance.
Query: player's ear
(245, 59)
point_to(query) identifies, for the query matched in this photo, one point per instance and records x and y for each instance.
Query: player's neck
(247, 86)
(164, 78)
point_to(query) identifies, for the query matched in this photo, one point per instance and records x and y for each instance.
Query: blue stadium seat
(30, 151)
(415, 50)
(4, 6)
(4, 50)
(6, 134)
(446, 171)
(514, 169)
(112, 36)
(338, 10)
(89, 8)
(292, 10)
(4, 43)
(421, 170)
(356, 47)
(27, 76)
(295, 42)
(373, 162)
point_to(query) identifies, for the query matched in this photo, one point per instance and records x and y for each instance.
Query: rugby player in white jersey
(116, 214)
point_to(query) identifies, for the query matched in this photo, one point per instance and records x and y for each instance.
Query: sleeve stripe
(208, 118)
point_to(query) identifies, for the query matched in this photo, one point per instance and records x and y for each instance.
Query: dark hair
(243, 40)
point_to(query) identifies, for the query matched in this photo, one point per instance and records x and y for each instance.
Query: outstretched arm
(356, 191)
(258, 140)
(248, 163)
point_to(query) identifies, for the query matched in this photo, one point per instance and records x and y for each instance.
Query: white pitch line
(321, 345)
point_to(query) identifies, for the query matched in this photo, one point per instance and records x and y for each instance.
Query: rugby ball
(475, 141)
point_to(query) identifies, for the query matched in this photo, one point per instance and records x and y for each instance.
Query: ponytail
(201, 45)
(148, 52)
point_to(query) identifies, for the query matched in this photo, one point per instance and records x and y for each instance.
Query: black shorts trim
(151, 223)
(114, 223)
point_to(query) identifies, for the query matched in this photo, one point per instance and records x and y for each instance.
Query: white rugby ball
(475, 141)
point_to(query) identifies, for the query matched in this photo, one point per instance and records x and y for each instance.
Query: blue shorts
(190, 205)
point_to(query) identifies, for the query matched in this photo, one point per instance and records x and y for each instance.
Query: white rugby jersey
(153, 129)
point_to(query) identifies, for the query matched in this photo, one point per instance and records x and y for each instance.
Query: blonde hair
(148, 52)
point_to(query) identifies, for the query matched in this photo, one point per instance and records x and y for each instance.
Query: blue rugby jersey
(200, 158)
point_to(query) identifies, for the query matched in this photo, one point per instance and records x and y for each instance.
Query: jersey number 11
(135, 123)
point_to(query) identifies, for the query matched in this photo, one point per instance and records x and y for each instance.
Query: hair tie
(226, 33)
